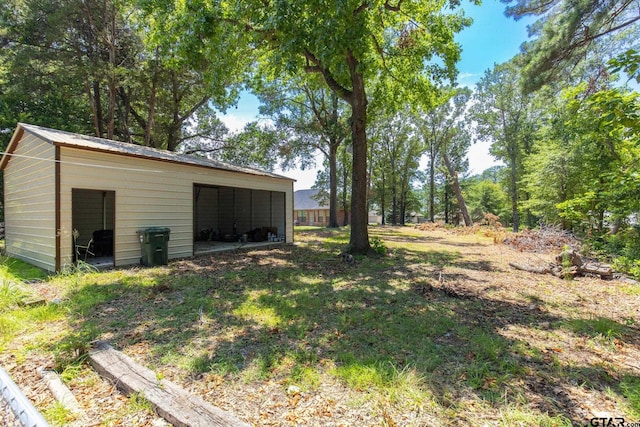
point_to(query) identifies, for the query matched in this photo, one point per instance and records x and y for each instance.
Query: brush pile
(543, 240)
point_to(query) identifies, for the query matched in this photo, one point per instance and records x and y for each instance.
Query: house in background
(375, 218)
(57, 182)
(308, 211)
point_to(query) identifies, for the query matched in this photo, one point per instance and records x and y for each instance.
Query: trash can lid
(157, 230)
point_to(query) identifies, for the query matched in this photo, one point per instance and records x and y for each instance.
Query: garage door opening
(93, 219)
(228, 217)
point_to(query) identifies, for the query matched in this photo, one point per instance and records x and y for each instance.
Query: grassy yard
(439, 330)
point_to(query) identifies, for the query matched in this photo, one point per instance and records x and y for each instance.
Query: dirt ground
(596, 346)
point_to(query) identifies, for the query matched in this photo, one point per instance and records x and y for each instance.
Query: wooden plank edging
(171, 402)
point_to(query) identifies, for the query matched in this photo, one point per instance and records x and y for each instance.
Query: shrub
(378, 245)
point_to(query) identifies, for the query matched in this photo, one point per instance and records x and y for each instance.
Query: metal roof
(68, 139)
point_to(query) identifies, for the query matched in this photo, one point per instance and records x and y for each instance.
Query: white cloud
(235, 123)
(480, 158)
(304, 178)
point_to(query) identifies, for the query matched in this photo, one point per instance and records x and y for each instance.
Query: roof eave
(11, 147)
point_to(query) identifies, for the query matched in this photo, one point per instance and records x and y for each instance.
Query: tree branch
(314, 108)
(189, 113)
(205, 150)
(360, 8)
(392, 8)
(380, 51)
(317, 67)
(616, 28)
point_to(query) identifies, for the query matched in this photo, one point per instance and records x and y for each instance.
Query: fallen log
(602, 270)
(171, 402)
(563, 272)
(569, 257)
(530, 269)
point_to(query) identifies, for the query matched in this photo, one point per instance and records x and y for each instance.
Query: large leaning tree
(396, 49)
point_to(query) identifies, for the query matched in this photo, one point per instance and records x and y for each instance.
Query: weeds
(138, 402)
(630, 387)
(58, 415)
(73, 349)
(10, 295)
(597, 327)
(378, 245)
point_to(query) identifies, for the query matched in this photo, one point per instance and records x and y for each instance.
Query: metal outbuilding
(56, 182)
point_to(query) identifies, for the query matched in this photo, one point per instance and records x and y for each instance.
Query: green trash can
(154, 242)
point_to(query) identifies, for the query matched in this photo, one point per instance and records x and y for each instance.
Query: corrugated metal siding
(151, 193)
(278, 214)
(147, 194)
(261, 215)
(242, 209)
(29, 186)
(226, 203)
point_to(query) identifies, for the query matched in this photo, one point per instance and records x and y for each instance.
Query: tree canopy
(566, 30)
(400, 49)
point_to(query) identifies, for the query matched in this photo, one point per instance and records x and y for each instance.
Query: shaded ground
(439, 331)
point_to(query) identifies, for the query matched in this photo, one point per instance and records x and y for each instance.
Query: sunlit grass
(265, 316)
(13, 269)
(306, 377)
(515, 416)
(307, 228)
(58, 415)
(630, 387)
(599, 327)
(10, 295)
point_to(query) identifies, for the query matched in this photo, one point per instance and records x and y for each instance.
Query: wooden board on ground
(171, 402)
(61, 392)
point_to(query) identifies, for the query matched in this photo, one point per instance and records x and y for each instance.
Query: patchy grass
(438, 330)
(12, 269)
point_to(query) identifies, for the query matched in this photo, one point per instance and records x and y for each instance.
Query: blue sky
(492, 38)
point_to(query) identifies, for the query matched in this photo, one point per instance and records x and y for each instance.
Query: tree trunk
(333, 185)
(345, 215)
(334, 143)
(446, 204)
(359, 238)
(514, 196)
(432, 187)
(394, 206)
(98, 103)
(124, 108)
(111, 42)
(93, 106)
(382, 200)
(615, 227)
(456, 188)
(403, 209)
(152, 104)
(394, 188)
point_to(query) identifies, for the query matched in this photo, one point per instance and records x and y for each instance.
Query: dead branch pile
(543, 239)
(570, 264)
(429, 226)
